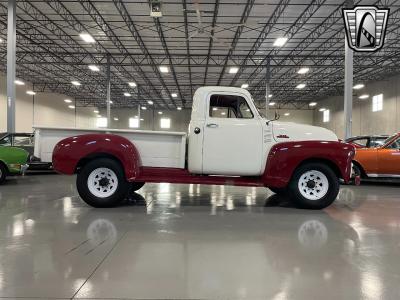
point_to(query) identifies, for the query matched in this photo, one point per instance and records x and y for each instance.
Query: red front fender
(70, 151)
(284, 158)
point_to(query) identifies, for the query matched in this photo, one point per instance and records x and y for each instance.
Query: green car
(13, 161)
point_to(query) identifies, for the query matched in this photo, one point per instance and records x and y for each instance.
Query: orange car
(383, 161)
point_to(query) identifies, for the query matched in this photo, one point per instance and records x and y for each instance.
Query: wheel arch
(85, 160)
(362, 170)
(5, 166)
(332, 165)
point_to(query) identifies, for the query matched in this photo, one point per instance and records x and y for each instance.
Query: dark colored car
(367, 141)
(24, 141)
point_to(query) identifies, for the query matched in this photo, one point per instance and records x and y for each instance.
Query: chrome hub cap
(102, 182)
(313, 185)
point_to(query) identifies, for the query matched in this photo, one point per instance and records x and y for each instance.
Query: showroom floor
(190, 241)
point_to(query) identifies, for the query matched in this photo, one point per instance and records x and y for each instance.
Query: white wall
(43, 109)
(365, 121)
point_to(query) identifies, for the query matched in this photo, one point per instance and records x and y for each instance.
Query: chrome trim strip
(383, 175)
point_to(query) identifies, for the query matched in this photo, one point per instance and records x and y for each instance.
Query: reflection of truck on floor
(229, 143)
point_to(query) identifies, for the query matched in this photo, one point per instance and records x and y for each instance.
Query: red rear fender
(284, 158)
(69, 152)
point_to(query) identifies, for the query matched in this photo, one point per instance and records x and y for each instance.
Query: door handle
(212, 125)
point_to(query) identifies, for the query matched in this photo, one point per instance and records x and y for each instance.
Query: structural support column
(138, 114)
(348, 90)
(108, 92)
(267, 89)
(11, 53)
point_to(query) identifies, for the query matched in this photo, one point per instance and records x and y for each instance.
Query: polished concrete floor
(197, 242)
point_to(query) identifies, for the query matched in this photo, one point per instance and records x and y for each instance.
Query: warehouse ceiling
(198, 42)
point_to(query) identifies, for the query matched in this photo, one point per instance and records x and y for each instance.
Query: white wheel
(313, 185)
(102, 182)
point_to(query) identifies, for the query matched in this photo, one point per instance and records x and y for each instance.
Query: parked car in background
(382, 161)
(367, 141)
(13, 161)
(24, 141)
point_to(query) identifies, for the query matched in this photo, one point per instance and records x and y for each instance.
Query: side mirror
(276, 117)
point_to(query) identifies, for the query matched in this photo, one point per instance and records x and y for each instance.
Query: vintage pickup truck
(229, 143)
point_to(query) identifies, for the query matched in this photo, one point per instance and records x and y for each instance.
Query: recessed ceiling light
(19, 82)
(358, 86)
(96, 111)
(322, 109)
(244, 86)
(94, 68)
(150, 102)
(86, 37)
(312, 103)
(132, 84)
(30, 92)
(301, 86)
(144, 107)
(116, 119)
(164, 69)
(68, 101)
(127, 94)
(271, 103)
(174, 95)
(71, 106)
(286, 114)
(179, 108)
(160, 112)
(303, 70)
(279, 42)
(74, 82)
(233, 70)
(363, 96)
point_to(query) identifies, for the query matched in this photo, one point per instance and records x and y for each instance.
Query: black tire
(358, 171)
(319, 203)
(279, 191)
(136, 186)
(116, 197)
(3, 173)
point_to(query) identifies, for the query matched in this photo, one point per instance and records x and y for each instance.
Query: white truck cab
(228, 136)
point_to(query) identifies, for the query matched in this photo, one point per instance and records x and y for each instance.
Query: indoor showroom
(200, 149)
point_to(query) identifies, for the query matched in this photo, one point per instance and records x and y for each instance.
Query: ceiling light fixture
(132, 84)
(270, 95)
(271, 103)
(364, 96)
(286, 114)
(144, 107)
(233, 70)
(71, 106)
(174, 95)
(244, 86)
(127, 94)
(96, 111)
(179, 108)
(77, 83)
(116, 119)
(312, 103)
(19, 82)
(358, 86)
(279, 42)
(301, 86)
(322, 109)
(86, 37)
(303, 70)
(160, 112)
(31, 93)
(150, 102)
(164, 69)
(68, 101)
(94, 68)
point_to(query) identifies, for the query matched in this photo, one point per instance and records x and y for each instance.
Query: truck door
(232, 142)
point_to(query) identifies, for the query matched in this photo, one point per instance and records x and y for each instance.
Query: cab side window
(229, 106)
